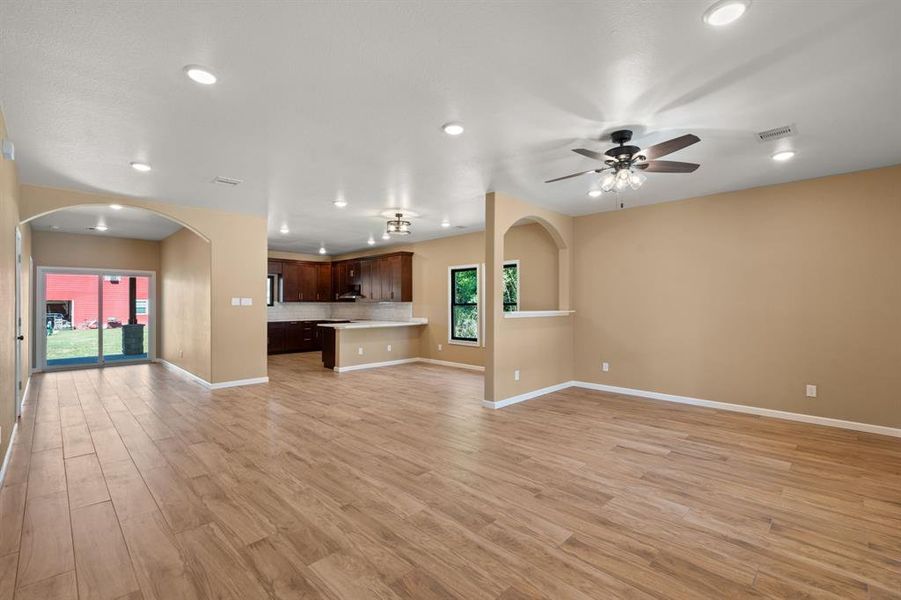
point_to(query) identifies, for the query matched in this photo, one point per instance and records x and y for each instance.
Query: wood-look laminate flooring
(134, 482)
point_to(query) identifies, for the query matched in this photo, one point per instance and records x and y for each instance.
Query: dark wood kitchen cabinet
(324, 282)
(303, 281)
(383, 278)
(275, 337)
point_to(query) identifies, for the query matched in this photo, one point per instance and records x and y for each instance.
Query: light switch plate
(246, 301)
(236, 302)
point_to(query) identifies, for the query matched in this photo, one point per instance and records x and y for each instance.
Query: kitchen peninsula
(361, 344)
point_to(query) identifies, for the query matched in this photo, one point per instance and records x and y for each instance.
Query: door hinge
(20, 386)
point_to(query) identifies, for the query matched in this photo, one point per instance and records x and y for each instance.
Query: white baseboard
(184, 372)
(752, 410)
(9, 452)
(527, 396)
(238, 382)
(375, 365)
(211, 386)
(741, 408)
(456, 365)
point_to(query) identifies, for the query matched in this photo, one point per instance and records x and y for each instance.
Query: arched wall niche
(531, 266)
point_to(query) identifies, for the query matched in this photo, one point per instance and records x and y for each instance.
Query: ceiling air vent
(228, 181)
(777, 133)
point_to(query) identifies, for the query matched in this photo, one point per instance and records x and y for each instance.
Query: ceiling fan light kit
(625, 165)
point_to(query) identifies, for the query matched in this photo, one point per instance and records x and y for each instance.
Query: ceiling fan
(624, 164)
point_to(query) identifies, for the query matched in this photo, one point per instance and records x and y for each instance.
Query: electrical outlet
(389, 347)
(181, 353)
(811, 391)
(360, 350)
(516, 375)
(605, 367)
(440, 347)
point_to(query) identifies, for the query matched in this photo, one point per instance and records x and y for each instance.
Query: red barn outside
(74, 297)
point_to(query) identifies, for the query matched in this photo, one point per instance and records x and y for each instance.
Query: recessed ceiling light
(139, 166)
(595, 193)
(340, 203)
(321, 249)
(200, 74)
(100, 227)
(453, 128)
(386, 236)
(371, 241)
(116, 206)
(725, 12)
(445, 223)
(784, 155)
(284, 230)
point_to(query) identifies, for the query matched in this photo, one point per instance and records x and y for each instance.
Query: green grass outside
(75, 343)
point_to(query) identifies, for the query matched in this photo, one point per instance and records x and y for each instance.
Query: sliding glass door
(91, 318)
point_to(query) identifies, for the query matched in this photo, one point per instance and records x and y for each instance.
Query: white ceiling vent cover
(228, 180)
(777, 133)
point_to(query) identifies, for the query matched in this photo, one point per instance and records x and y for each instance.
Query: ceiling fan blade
(669, 146)
(667, 166)
(568, 176)
(591, 154)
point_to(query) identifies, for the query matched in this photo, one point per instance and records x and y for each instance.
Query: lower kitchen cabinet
(294, 336)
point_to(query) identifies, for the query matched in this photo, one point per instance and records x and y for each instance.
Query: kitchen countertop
(375, 324)
(303, 320)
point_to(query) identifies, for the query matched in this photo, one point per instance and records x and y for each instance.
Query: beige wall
(539, 348)
(185, 284)
(57, 249)
(404, 342)
(238, 268)
(9, 220)
(746, 297)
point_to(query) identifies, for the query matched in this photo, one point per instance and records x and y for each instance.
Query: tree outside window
(465, 304)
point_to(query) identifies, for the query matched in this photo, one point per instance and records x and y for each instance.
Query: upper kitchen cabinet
(324, 282)
(384, 278)
(304, 281)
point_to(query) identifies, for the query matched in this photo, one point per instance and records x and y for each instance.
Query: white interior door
(20, 393)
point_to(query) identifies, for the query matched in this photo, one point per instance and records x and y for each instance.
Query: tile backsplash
(369, 311)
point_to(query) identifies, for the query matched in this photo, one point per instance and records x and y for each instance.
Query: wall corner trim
(751, 410)
(211, 386)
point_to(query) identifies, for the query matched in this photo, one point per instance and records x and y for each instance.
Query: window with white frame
(464, 294)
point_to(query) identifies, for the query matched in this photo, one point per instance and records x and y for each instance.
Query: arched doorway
(97, 279)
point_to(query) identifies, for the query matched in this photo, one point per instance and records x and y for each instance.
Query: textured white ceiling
(320, 100)
(126, 222)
